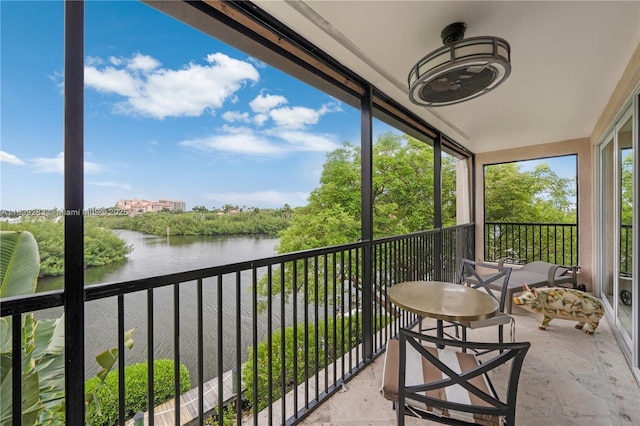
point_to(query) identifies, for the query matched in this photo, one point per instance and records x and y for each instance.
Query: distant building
(137, 206)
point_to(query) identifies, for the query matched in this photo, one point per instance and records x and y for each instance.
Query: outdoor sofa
(536, 274)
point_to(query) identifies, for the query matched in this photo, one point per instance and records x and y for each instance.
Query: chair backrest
(469, 273)
(455, 388)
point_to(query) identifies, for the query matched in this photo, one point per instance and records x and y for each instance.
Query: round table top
(444, 301)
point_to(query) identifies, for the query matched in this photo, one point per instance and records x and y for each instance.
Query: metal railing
(526, 242)
(240, 312)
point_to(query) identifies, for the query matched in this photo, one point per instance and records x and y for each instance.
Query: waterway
(154, 256)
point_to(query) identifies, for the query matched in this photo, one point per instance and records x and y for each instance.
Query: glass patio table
(443, 301)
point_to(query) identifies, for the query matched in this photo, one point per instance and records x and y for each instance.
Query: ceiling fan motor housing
(461, 70)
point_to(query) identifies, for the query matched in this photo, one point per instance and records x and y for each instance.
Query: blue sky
(564, 166)
(169, 113)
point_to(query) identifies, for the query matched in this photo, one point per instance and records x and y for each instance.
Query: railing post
(437, 202)
(74, 204)
(366, 201)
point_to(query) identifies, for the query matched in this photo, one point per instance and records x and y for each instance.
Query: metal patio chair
(450, 386)
(469, 274)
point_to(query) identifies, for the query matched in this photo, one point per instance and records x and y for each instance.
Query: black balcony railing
(525, 242)
(316, 294)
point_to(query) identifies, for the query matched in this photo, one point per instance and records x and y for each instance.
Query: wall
(629, 80)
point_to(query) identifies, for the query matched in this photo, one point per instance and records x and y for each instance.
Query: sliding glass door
(616, 213)
(607, 224)
(625, 292)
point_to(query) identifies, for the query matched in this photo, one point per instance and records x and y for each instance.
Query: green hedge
(135, 382)
(306, 338)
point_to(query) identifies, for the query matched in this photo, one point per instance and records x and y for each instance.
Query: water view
(154, 256)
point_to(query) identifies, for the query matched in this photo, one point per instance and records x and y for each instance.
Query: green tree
(540, 195)
(626, 195)
(101, 246)
(553, 196)
(508, 193)
(337, 336)
(402, 202)
(199, 212)
(513, 196)
(402, 194)
(200, 222)
(626, 211)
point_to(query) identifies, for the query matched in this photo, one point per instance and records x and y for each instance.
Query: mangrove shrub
(135, 390)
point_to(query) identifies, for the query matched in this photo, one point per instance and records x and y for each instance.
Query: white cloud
(260, 119)
(260, 198)
(144, 63)
(232, 116)
(95, 60)
(295, 118)
(56, 165)
(288, 130)
(157, 92)
(300, 117)
(263, 103)
(305, 141)
(49, 165)
(258, 63)
(242, 140)
(111, 80)
(5, 157)
(124, 186)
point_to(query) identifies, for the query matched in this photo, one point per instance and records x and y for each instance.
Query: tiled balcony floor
(569, 378)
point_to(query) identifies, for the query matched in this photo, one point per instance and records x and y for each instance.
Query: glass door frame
(635, 243)
(629, 343)
(606, 163)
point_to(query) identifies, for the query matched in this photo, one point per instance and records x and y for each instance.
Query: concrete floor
(569, 378)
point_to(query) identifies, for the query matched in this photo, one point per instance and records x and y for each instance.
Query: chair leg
(509, 300)
(440, 332)
(464, 338)
(400, 414)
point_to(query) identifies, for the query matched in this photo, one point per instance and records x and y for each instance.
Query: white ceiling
(567, 58)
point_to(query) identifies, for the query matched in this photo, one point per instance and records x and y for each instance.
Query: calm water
(153, 256)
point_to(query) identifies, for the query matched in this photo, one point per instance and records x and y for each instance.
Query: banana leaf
(31, 403)
(31, 406)
(48, 355)
(19, 263)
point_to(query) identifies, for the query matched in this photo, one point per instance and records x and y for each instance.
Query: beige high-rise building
(137, 206)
